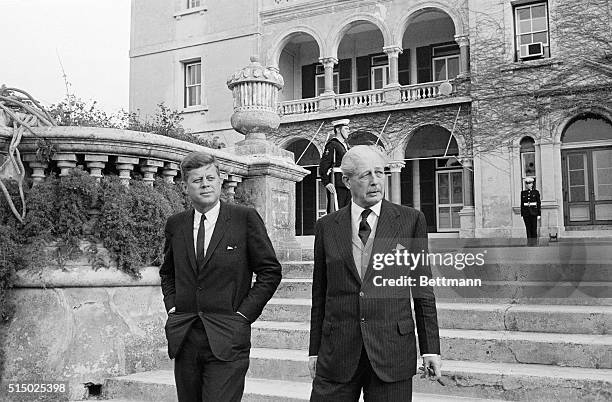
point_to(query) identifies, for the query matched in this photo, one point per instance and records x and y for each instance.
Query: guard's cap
(529, 180)
(341, 122)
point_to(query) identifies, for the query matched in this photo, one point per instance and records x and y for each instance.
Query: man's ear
(184, 187)
(345, 180)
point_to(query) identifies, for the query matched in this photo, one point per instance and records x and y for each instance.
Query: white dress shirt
(372, 219)
(209, 226)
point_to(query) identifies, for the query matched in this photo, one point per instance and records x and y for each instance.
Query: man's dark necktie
(364, 226)
(200, 241)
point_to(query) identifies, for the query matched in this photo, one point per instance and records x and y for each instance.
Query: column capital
(393, 50)
(328, 60)
(396, 166)
(462, 40)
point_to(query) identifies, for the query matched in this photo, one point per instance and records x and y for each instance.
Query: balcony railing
(376, 97)
(357, 99)
(410, 93)
(299, 106)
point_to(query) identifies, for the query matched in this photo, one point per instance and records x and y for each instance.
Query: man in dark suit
(531, 211)
(338, 195)
(210, 255)
(362, 334)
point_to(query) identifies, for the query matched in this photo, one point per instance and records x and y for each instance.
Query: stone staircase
(555, 346)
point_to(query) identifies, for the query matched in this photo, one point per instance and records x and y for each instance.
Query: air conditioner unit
(532, 50)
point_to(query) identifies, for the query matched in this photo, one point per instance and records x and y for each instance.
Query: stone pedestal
(270, 188)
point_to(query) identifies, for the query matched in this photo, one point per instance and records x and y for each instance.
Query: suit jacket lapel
(188, 233)
(387, 228)
(222, 224)
(343, 235)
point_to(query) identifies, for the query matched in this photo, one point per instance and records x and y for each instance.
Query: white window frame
(385, 76)
(524, 175)
(321, 209)
(194, 3)
(450, 205)
(518, 33)
(319, 89)
(188, 102)
(445, 58)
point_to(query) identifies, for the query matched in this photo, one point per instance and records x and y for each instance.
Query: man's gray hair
(358, 153)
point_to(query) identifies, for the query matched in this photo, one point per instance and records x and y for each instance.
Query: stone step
(466, 378)
(487, 316)
(573, 350)
(297, 269)
(302, 288)
(158, 386)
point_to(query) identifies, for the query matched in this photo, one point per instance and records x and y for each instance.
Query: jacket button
(362, 319)
(361, 294)
(199, 288)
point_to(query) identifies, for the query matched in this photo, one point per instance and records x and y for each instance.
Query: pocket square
(232, 247)
(399, 247)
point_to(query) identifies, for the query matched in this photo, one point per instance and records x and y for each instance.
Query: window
(531, 23)
(379, 72)
(194, 3)
(528, 167)
(445, 62)
(193, 84)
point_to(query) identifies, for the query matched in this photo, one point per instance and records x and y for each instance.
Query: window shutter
(363, 73)
(308, 81)
(424, 69)
(344, 72)
(403, 67)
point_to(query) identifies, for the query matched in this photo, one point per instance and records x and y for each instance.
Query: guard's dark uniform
(330, 164)
(530, 210)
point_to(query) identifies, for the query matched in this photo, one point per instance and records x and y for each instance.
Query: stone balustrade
(103, 151)
(299, 106)
(360, 99)
(410, 93)
(371, 98)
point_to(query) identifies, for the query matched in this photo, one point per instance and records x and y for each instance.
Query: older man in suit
(211, 253)
(362, 334)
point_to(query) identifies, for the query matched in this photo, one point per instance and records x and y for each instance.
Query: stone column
(547, 187)
(467, 213)
(65, 162)
(416, 184)
(125, 165)
(326, 99)
(392, 89)
(38, 168)
(396, 184)
(464, 54)
(149, 168)
(95, 164)
(170, 171)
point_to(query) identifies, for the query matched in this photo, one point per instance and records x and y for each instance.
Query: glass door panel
(602, 184)
(449, 187)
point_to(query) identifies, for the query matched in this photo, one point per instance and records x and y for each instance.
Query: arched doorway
(309, 199)
(586, 158)
(432, 180)
(363, 137)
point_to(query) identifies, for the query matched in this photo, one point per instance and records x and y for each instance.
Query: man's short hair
(357, 153)
(196, 160)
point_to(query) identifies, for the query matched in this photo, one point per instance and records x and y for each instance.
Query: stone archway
(432, 179)
(309, 199)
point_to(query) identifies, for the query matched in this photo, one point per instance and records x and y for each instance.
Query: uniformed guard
(530, 211)
(329, 168)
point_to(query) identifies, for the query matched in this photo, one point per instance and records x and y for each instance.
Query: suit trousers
(531, 227)
(344, 198)
(201, 377)
(374, 389)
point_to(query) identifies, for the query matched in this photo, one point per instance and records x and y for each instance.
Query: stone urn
(255, 91)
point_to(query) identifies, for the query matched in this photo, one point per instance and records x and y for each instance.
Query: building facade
(467, 97)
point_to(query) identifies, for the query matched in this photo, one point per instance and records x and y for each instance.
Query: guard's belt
(337, 170)
(530, 204)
